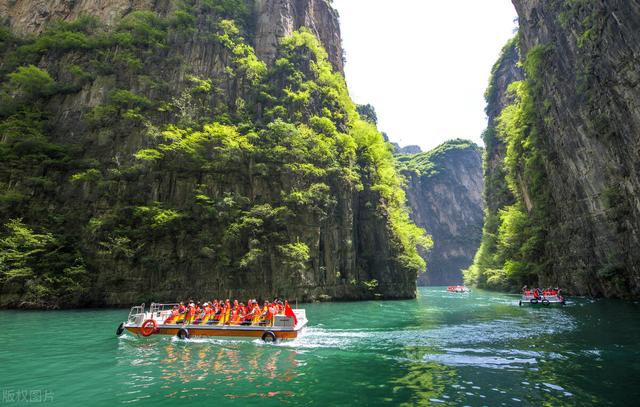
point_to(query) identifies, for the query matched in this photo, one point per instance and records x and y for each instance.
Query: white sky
(424, 64)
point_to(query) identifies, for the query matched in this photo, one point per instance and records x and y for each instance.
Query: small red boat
(457, 289)
(545, 298)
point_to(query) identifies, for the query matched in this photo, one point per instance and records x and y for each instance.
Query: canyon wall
(157, 150)
(444, 191)
(571, 133)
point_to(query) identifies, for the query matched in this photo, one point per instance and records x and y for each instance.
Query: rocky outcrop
(278, 18)
(444, 191)
(409, 150)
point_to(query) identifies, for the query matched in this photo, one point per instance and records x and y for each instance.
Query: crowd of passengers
(539, 293)
(227, 313)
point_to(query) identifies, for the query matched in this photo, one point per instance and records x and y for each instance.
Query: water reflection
(222, 368)
(423, 383)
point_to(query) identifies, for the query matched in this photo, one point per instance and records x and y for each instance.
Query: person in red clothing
(217, 310)
(191, 313)
(289, 312)
(250, 312)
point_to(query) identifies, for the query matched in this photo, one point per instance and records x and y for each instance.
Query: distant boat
(147, 323)
(545, 298)
(457, 289)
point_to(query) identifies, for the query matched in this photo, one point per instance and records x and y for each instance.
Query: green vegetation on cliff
(512, 250)
(226, 180)
(430, 163)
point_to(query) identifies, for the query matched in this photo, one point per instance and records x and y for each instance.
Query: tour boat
(457, 289)
(147, 323)
(548, 297)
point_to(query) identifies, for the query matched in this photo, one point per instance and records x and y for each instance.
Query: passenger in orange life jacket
(191, 313)
(255, 319)
(239, 315)
(175, 313)
(215, 311)
(263, 312)
(271, 312)
(181, 308)
(201, 313)
(226, 311)
(235, 313)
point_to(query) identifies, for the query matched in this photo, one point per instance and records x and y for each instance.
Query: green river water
(442, 349)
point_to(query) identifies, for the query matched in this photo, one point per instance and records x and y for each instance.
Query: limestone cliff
(588, 104)
(572, 148)
(272, 19)
(148, 152)
(279, 18)
(444, 192)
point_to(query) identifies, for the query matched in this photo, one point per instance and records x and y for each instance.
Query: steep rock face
(33, 16)
(141, 210)
(504, 73)
(572, 133)
(588, 103)
(497, 194)
(279, 18)
(273, 19)
(444, 191)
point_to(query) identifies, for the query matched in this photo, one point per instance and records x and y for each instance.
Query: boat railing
(161, 310)
(136, 314)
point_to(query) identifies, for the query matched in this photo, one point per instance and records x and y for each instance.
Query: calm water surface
(441, 349)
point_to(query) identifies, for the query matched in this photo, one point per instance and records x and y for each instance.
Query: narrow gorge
(444, 193)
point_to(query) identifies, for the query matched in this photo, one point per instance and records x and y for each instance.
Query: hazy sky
(424, 64)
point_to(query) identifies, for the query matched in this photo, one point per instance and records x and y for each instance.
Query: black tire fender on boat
(120, 329)
(545, 302)
(183, 333)
(533, 301)
(520, 303)
(269, 337)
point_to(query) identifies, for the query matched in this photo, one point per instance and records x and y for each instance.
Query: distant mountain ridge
(444, 191)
